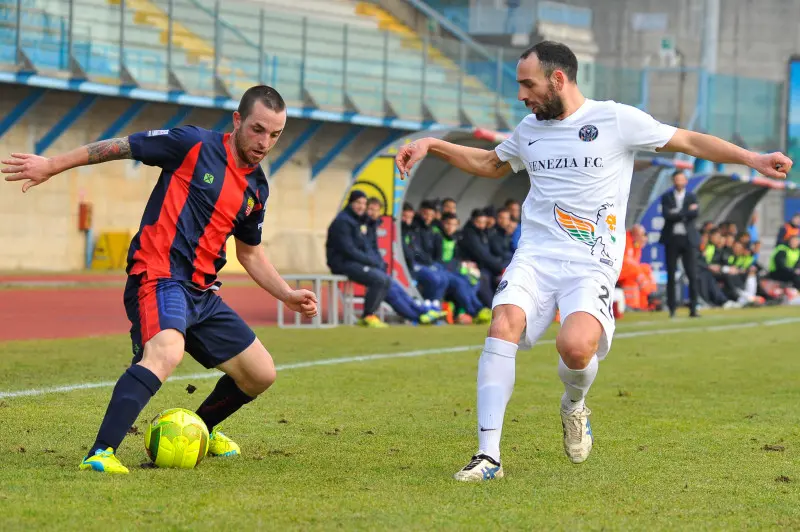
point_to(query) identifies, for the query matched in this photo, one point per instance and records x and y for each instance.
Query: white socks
(496, 372)
(495, 384)
(576, 383)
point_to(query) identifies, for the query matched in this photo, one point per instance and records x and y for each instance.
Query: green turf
(681, 423)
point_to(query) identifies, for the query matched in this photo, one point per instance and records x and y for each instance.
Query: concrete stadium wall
(39, 230)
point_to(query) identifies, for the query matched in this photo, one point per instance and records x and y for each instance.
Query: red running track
(79, 312)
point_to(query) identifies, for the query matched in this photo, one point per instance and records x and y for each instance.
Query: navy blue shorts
(214, 333)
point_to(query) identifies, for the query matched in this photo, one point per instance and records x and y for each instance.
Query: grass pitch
(694, 429)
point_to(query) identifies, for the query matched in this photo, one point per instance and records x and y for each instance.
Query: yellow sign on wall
(111, 250)
(376, 179)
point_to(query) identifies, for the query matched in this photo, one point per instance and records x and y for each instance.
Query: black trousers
(786, 276)
(376, 282)
(679, 247)
(709, 290)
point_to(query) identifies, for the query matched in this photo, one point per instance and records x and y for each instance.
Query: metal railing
(212, 48)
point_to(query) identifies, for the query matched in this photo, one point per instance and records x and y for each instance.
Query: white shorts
(540, 286)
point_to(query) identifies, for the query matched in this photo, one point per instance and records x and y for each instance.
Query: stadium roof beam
(65, 123)
(174, 121)
(177, 98)
(223, 123)
(390, 137)
(123, 120)
(20, 110)
(335, 151)
(300, 141)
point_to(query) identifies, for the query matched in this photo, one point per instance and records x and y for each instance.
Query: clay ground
(38, 306)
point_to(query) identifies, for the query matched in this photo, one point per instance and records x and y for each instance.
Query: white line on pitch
(384, 356)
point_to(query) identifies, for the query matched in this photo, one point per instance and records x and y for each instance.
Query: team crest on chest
(588, 133)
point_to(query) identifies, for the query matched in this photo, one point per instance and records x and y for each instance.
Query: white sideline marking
(383, 356)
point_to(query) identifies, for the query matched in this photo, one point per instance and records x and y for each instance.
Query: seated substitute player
(211, 187)
(579, 154)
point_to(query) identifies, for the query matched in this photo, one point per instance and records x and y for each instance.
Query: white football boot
(481, 467)
(578, 437)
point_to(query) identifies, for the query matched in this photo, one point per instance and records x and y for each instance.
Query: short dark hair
(449, 200)
(476, 213)
(509, 202)
(714, 231)
(678, 172)
(427, 204)
(449, 216)
(742, 234)
(554, 56)
(265, 94)
(375, 201)
(407, 207)
(502, 210)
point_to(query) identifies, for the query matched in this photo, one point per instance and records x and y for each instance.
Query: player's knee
(258, 377)
(163, 353)
(258, 382)
(508, 322)
(576, 350)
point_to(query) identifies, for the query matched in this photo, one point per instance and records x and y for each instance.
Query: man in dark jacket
(474, 246)
(680, 238)
(349, 253)
(429, 237)
(397, 297)
(460, 288)
(500, 237)
(424, 245)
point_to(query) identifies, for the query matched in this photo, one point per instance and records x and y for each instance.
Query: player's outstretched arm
(482, 163)
(715, 149)
(258, 266)
(35, 169)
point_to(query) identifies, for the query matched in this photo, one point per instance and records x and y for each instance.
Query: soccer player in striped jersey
(211, 187)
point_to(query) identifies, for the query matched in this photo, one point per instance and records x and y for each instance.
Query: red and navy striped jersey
(199, 201)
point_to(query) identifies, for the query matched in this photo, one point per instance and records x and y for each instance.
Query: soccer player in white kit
(579, 155)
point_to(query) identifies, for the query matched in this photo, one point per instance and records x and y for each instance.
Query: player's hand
(33, 169)
(302, 301)
(775, 165)
(409, 155)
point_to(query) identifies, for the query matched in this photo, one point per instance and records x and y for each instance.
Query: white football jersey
(580, 170)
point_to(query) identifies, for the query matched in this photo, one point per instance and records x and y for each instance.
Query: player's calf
(247, 375)
(577, 343)
(162, 353)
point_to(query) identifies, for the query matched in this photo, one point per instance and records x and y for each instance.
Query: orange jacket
(633, 253)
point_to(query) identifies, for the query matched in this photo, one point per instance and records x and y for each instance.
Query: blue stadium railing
(333, 67)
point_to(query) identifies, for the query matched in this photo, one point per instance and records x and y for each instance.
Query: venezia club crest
(587, 133)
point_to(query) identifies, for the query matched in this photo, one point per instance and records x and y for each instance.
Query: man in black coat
(474, 246)
(349, 252)
(500, 237)
(680, 238)
(425, 247)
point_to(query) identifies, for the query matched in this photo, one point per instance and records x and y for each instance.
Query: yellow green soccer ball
(176, 438)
